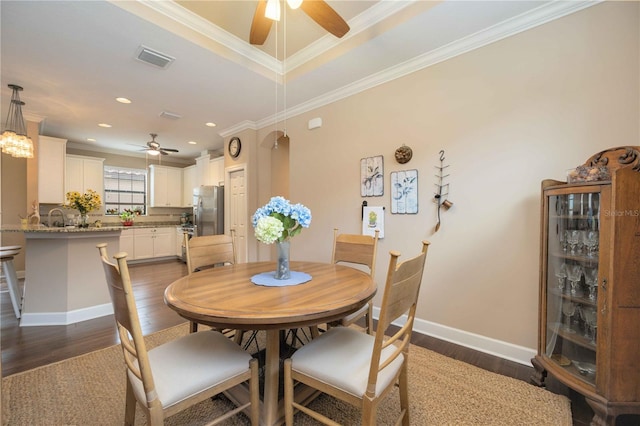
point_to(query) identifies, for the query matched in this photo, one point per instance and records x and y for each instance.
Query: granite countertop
(106, 227)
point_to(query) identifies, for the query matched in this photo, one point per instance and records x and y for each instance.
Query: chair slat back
(400, 297)
(127, 320)
(355, 248)
(210, 250)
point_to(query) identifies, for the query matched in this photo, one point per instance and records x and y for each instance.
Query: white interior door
(237, 211)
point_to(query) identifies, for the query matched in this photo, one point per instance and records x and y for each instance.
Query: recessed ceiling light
(91, 140)
(193, 143)
(123, 100)
(104, 125)
(210, 124)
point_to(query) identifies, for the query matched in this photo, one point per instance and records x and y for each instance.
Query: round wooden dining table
(225, 297)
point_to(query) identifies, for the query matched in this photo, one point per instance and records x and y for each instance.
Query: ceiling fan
(154, 148)
(318, 10)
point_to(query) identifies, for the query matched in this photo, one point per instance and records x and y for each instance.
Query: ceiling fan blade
(169, 149)
(163, 152)
(261, 25)
(326, 17)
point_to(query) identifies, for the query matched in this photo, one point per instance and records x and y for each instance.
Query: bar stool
(7, 253)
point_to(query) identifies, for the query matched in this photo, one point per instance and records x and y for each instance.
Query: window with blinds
(125, 189)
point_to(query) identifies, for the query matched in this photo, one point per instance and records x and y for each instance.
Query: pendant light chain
(284, 73)
(275, 121)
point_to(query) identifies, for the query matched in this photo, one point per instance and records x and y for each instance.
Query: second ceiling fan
(318, 10)
(154, 148)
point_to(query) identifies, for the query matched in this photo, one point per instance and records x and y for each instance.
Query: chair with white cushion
(175, 375)
(359, 250)
(208, 251)
(356, 367)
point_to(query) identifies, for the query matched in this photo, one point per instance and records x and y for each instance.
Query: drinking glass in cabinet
(561, 275)
(573, 238)
(593, 204)
(591, 280)
(568, 309)
(574, 273)
(591, 242)
(590, 317)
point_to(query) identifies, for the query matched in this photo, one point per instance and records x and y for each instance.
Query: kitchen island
(64, 279)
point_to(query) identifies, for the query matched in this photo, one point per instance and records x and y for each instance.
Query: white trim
(202, 26)
(363, 21)
(65, 318)
(526, 21)
(509, 351)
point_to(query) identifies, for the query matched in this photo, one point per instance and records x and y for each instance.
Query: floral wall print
(373, 218)
(404, 192)
(371, 176)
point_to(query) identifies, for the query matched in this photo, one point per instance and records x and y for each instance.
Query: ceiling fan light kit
(318, 10)
(153, 147)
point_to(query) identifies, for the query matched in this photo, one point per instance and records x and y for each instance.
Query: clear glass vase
(83, 220)
(282, 270)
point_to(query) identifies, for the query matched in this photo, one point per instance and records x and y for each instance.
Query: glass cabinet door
(572, 282)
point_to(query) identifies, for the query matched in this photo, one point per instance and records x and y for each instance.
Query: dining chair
(356, 367)
(178, 374)
(360, 250)
(208, 251)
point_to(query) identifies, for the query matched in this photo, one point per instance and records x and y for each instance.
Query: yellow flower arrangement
(84, 203)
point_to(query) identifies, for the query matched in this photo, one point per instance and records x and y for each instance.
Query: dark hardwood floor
(25, 348)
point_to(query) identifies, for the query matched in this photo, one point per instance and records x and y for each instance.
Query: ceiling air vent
(170, 115)
(153, 57)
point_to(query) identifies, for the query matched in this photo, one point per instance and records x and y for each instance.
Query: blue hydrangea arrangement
(279, 220)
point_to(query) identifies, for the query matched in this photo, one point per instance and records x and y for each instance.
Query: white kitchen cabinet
(84, 173)
(202, 171)
(165, 186)
(188, 183)
(153, 242)
(164, 242)
(51, 169)
(126, 243)
(216, 171)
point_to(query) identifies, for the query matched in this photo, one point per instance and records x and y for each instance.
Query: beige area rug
(89, 390)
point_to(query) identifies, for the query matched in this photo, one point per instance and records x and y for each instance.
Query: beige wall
(507, 115)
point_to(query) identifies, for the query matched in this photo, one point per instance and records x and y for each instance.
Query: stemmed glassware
(589, 315)
(591, 280)
(572, 236)
(590, 241)
(568, 309)
(574, 273)
(561, 275)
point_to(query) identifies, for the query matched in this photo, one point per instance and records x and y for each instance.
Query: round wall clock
(234, 147)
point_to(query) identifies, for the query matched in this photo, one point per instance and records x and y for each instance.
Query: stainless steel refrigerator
(208, 210)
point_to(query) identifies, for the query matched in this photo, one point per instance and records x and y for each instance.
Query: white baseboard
(488, 345)
(65, 318)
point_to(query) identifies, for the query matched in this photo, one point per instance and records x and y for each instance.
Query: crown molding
(183, 16)
(526, 21)
(243, 125)
(371, 16)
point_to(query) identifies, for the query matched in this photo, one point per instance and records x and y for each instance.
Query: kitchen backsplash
(164, 215)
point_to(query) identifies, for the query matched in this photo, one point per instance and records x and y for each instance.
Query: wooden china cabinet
(589, 321)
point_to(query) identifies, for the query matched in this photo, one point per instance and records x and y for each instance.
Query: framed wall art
(404, 192)
(372, 220)
(372, 176)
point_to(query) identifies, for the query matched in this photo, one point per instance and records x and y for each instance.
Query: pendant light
(14, 140)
